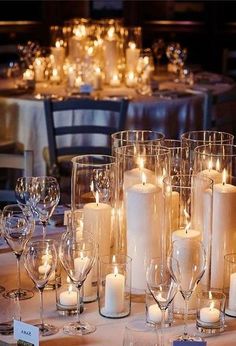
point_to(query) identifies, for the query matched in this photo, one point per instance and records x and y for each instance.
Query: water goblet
(162, 285)
(191, 257)
(40, 260)
(17, 230)
(78, 255)
(38, 196)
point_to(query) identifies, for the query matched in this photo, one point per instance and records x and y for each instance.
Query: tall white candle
(132, 56)
(232, 292)
(143, 214)
(110, 54)
(58, 53)
(114, 292)
(223, 229)
(97, 220)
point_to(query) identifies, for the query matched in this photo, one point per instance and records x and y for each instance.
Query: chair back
(89, 123)
(15, 162)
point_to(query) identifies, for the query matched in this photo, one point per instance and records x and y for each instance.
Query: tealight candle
(209, 314)
(69, 297)
(115, 81)
(114, 292)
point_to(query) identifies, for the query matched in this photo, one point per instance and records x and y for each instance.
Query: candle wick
(223, 183)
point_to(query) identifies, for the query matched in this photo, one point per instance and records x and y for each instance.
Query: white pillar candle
(132, 55)
(223, 230)
(114, 292)
(69, 297)
(39, 69)
(58, 53)
(134, 176)
(232, 292)
(144, 231)
(209, 314)
(97, 220)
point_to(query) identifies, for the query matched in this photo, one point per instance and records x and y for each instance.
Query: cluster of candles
(93, 54)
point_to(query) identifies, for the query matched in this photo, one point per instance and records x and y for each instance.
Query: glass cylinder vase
(230, 283)
(140, 203)
(114, 298)
(218, 162)
(93, 190)
(188, 215)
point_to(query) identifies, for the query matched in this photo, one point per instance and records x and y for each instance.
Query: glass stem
(41, 307)
(18, 273)
(78, 304)
(186, 301)
(162, 341)
(44, 223)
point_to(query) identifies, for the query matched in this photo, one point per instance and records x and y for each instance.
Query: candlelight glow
(217, 164)
(115, 270)
(80, 31)
(97, 197)
(210, 164)
(113, 259)
(111, 32)
(212, 306)
(70, 288)
(141, 163)
(210, 295)
(224, 176)
(144, 178)
(132, 45)
(188, 223)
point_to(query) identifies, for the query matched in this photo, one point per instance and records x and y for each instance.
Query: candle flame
(111, 32)
(90, 50)
(210, 295)
(97, 70)
(115, 77)
(212, 305)
(92, 186)
(113, 259)
(131, 75)
(132, 45)
(115, 270)
(188, 223)
(224, 176)
(217, 164)
(57, 44)
(210, 164)
(70, 288)
(144, 178)
(97, 197)
(141, 163)
(68, 279)
(54, 72)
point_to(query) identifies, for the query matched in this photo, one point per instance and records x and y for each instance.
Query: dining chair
(15, 162)
(89, 124)
(229, 63)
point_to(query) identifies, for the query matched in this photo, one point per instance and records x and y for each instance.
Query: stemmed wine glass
(78, 255)
(38, 196)
(2, 289)
(191, 257)
(17, 230)
(163, 285)
(40, 260)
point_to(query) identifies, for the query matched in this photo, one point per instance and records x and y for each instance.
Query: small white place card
(26, 332)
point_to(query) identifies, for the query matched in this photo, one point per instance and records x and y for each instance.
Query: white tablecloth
(22, 117)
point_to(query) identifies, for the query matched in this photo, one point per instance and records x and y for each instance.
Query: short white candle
(97, 82)
(131, 80)
(232, 292)
(154, 313)
(210, 314)
(69, 297)
(132, 56)
(115, 81)
(114, 292)
(58, 53)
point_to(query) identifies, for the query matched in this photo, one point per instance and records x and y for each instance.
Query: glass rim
(220, 294)
(115, 134)
(184, 136)
(75, 161)
(198, 149)
(49, 177)
(164, 150)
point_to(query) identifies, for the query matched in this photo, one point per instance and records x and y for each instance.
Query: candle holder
(210, 312)
(114, 298)
(218, 162)
(133, 44)
(136, 137)
(79, 29)
(153, 312)
(188, 214)
(93, 190)
(66, 299)
(178, 156)
(230, 284)
(193, 139)
(141, 169)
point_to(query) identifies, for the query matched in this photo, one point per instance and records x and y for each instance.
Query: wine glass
(163, 285)
(40, 260)
(138, 333)
(78, 255)
(191, 257)
(38, 196)
(17, 230)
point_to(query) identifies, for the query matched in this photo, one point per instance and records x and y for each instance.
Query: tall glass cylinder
(93, 190)
(218, 162)
(123, 138)
(178, 156)
(188, 215)
(193, 139)
(140, 173)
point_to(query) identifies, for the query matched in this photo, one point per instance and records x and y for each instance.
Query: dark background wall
(204, 27)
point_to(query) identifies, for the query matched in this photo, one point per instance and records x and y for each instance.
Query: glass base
(47, 329)
(22, 294)
(6, 328)
(78, 328)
